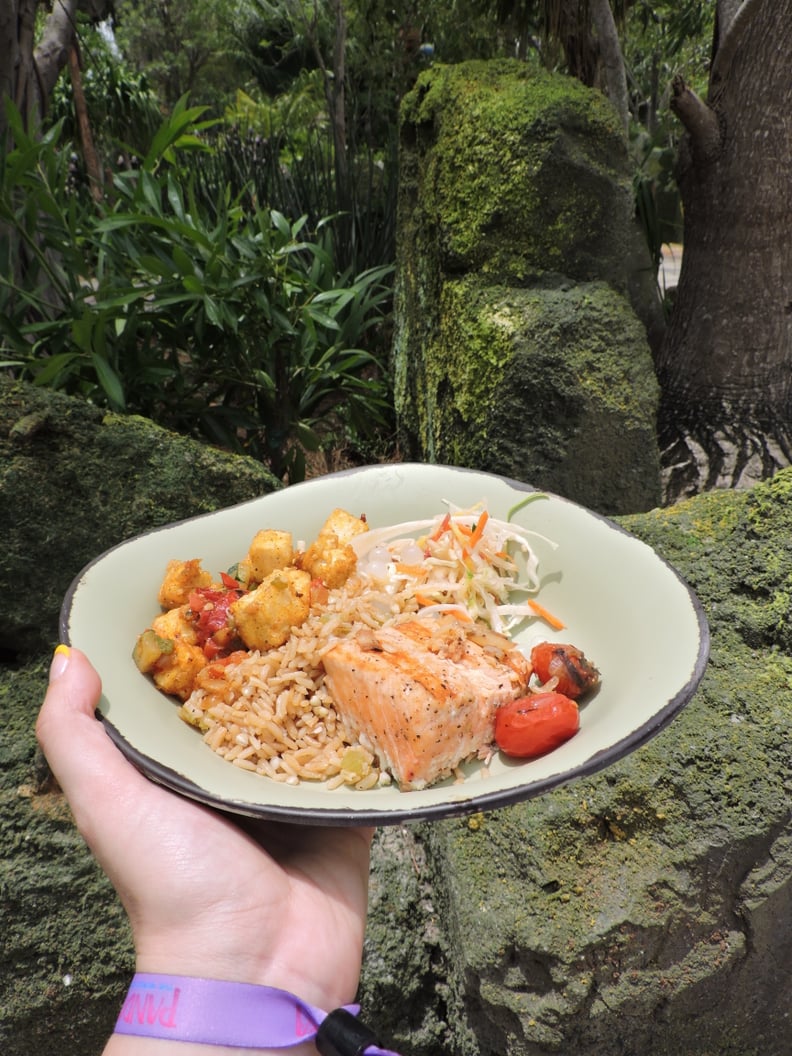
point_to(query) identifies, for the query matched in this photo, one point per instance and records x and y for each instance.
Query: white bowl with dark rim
(623, 605)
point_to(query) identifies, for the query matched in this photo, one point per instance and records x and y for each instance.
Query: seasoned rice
(269, 712)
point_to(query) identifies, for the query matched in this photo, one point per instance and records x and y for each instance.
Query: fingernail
(59, 662)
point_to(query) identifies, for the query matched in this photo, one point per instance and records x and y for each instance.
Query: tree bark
(21, 70)
(90, 157)
(725, 365)
(52, 51)
(611, 58)
(29, 71)
(338, 106)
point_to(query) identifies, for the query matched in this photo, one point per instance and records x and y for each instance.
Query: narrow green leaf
(54, 366)
(182, 261)
(109, 381)
(192, 284)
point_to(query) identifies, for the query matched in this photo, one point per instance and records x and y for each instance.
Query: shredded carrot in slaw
(478, 531)
(548, 617)
(468, 564)
(441, 528)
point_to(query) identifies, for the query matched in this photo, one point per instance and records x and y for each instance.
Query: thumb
(86, 764)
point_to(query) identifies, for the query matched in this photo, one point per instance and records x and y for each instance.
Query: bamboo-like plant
(220, 320)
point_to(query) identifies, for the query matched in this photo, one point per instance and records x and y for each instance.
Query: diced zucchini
(149, 650)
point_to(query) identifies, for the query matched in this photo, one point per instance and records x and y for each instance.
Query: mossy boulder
(76, 480)
(516, 230)
(644, 910)
(514, 172)
(647, 909)
(550, 385)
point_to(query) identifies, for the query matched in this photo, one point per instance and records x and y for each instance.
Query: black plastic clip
(341, 1034)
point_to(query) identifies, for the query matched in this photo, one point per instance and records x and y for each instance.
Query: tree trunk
(17, 71)
(29, 71)
(613, 71)
(52, 50)
(337, 102)
(725, 365)
(90, 158)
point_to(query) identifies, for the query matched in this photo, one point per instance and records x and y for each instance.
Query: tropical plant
(121, 104)
(185, 47)
(228, 322)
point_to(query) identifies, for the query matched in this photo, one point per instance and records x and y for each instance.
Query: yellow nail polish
(59, 661)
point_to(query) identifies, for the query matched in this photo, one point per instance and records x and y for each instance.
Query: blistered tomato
(536, 724)
(574, 674)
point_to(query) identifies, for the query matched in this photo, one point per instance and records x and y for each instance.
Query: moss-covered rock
(647, 909)
(554, 386)
(66, 954)
(516, 172)
(75, 481)
(516, 262)
(644, 910)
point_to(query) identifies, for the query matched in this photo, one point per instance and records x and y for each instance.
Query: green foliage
(183, 46)
(662, 39)
(224, 321)
(293, 48)
(123, 107)
(298, 112)
(290, 167)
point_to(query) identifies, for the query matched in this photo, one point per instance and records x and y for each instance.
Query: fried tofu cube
(176, 623)
(170, 653)
(265, 617)
(181, 578)
(344, 526)
(333, 565)
(271, 549)
(330, 557)
(177, 672)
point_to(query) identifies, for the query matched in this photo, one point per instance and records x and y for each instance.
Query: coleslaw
(465, 562)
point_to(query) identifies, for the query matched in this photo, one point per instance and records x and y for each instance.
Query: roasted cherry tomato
(574, 673)
(536, 724)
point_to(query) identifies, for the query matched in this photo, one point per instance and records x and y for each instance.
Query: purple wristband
(218, 1012)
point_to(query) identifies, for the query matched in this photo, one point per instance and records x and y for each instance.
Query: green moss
(464, 366)
(521, 165)
(60, 503)
(611, 901)
(553, 386)
(67, 951)
(514, 192)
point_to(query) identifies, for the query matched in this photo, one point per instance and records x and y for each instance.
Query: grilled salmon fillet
(423, 693)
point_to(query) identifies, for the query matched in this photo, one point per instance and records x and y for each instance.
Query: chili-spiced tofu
(266, 616)
(330, 558)
(169, 652)
(271, 549)
(181, 578)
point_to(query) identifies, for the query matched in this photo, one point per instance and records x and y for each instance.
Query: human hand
(208, 895)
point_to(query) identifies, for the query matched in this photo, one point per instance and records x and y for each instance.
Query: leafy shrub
(216, 320)
(124, 112)
(281, 153)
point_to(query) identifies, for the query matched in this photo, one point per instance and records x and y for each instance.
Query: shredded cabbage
(454, 562)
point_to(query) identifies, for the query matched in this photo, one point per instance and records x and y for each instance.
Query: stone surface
(645, 911)
(75, 481)
(552, 386)
(516, 259)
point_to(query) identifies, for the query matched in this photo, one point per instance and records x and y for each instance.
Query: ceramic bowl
(625, 607)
